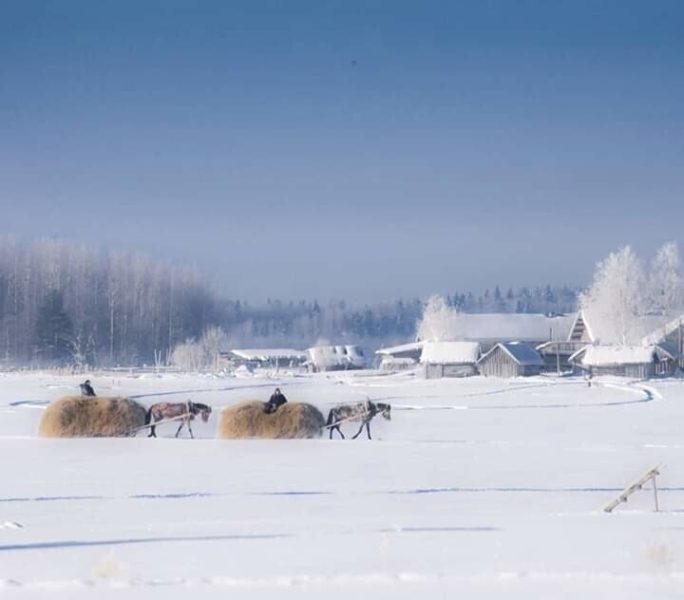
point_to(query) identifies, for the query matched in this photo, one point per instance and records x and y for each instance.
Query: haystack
(292, 420)
(82, 416)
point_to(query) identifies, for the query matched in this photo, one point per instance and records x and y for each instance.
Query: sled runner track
(315, 493)
(59, 545)
(649, 394)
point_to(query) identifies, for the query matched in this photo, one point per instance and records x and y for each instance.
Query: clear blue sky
(347, 149)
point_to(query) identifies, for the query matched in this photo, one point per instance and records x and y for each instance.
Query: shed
(636, 362)
(511, 359)
(450, 359)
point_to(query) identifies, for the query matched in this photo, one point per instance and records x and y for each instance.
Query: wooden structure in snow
(511, 359)
(335, 358)
(635, 362)
(450, 359)
(650, 475)
(397, 358)
(265, 357)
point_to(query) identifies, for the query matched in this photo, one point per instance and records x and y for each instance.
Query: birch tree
(665, 281)
(439, 322)
(616, 298)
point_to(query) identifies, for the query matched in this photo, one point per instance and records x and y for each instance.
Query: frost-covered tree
(665, 288)
(203, 354)
(439, 322)
(616, 298)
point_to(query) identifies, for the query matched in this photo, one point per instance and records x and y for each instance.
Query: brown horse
(184, 412)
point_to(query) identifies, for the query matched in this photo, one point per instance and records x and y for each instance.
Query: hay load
(82, 416)
(292, 420)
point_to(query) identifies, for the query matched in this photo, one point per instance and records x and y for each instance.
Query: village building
(511, 359)
(635, 362)
(449, 359)
(397, 358)
(273, 358)
(335, 358)
(488, 329)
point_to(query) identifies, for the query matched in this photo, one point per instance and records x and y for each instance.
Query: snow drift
(292, 420)
(81, 416)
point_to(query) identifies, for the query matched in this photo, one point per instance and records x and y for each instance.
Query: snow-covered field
(482, 487)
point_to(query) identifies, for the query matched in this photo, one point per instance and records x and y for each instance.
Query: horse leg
(358, 432)
(153, 432)
(368, 429)
(190, 430)
(179, 428)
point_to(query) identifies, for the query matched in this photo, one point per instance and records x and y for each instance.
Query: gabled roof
(604, 356)
(450, 353)
(501, 327)
(663, 330)
(521, 353)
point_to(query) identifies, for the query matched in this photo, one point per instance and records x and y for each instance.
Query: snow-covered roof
(269, 354)
(523, 354)
(509, 327)
(662, 330)
(331, 356)
(450, 353)
(400, 348)
(603, 356)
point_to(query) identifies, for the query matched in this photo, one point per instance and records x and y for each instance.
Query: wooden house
(635, 362)
(511, 359)
(450, 359)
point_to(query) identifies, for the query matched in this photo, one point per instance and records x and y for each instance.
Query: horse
(363, 411)
(184, 412)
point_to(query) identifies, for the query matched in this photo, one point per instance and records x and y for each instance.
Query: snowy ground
(478, 486)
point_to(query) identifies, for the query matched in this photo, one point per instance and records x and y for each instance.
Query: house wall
(433, 371)
(500, 364)
(644, 371)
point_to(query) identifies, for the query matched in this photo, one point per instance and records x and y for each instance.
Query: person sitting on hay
(86, 388)
(276, 400)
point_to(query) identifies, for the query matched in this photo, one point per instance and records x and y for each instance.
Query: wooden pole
(655, 492)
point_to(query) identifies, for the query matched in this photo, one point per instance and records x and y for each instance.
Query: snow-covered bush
(197, 355)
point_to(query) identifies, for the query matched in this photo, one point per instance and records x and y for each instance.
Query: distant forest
(63, 303)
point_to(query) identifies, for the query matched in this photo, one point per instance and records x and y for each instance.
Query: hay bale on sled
(83, 416)
(292, 420)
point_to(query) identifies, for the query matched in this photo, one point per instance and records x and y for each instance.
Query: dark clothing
(274, 402)
(87, 389)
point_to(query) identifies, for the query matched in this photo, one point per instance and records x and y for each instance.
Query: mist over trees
(63, 303)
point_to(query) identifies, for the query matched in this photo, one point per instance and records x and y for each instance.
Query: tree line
(63, 303)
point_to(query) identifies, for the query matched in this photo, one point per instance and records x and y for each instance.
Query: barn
(450, 359)
(511, 359)
(635, 362)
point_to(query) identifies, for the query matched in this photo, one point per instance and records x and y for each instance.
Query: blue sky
(363, 150)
